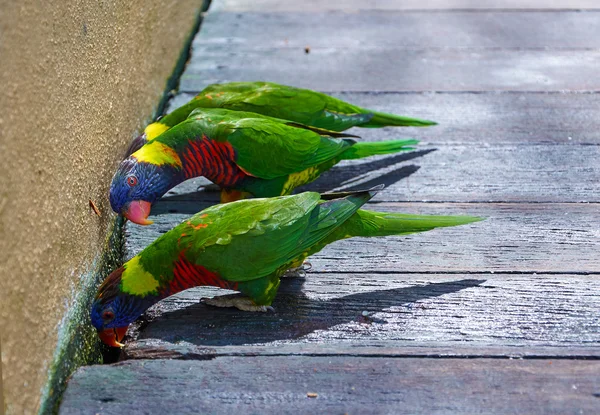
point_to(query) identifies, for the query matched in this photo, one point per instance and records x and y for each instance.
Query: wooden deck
(501, 316)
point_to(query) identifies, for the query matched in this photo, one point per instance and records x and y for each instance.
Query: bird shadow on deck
(339, 178)
(295, 315)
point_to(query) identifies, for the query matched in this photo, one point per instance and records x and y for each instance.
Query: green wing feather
(300, 105)
(240, 241)
(254, 238)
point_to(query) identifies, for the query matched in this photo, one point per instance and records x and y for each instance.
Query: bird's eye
(108, 315)
(132, 181)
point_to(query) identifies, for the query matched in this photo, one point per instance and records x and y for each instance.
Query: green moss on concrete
(78, 343)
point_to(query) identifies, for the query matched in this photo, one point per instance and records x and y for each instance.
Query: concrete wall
(79, 79)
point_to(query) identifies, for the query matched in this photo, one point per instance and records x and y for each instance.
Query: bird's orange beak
(138, 212)
(112, 337)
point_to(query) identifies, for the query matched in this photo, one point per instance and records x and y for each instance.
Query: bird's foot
(238, 301)
(298, 271)
(211, 187)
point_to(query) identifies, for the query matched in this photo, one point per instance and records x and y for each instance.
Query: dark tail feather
(321, 131)
(136, 144)
(338, 195)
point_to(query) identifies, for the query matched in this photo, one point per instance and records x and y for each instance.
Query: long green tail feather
(368, 223)
(360, 150)
(382, 119)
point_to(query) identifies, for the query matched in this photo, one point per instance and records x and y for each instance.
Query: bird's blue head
(114, 310)
(137, 184)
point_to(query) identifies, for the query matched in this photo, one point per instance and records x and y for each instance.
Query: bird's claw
(238, 301)
(298, 271)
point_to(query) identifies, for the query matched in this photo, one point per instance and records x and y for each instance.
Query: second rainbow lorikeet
(280, 101)
(244, 246)
(244, 153)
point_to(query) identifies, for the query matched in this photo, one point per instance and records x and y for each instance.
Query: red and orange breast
(187, 275)
(212, 159)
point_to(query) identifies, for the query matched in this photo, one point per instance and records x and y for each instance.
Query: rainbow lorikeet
(244, 153)
(245, 246)
(280, 101)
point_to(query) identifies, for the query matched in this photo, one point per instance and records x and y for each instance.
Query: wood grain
(341, 384)
(152, 349)
(410, 70)
(417, 30)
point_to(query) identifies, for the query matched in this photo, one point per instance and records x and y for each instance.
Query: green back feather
(289, 103)
(280, 231)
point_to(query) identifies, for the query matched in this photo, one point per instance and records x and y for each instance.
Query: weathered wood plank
(159, 349)
(362, 5)
(520, 173)
(339, 384)
(259, 30)
(489, 118)
(409, 70)
(404, 310)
